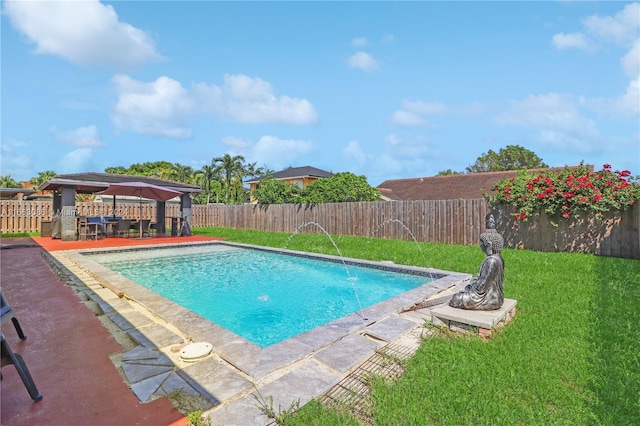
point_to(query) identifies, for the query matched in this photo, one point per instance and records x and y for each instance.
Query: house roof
(450, 187)
(87, 183)
(8, 193)
(294, 172)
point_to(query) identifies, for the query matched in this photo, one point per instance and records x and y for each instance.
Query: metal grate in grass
(352, 393)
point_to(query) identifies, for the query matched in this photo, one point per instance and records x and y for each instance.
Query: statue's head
(491, 241)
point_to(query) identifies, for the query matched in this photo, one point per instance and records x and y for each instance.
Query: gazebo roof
(88, 183)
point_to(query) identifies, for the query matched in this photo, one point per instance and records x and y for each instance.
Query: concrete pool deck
(230, 383)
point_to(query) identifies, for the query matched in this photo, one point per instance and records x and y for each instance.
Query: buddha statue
(485, 292)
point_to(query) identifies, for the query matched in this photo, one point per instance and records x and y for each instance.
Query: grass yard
(571, 355)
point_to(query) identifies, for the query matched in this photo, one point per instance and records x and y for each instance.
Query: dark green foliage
(339, 188)
(511, 157)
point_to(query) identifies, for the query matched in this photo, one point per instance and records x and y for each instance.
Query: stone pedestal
(477, 322)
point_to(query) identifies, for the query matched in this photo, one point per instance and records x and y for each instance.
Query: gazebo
(65, 188)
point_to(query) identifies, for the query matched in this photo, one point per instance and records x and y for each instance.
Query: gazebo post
(161, 217)
(68, 219)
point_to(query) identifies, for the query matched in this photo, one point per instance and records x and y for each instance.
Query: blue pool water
(264, 297)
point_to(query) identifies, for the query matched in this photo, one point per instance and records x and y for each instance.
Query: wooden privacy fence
(441, 221)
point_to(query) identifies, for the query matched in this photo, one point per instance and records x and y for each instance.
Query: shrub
(568, 193)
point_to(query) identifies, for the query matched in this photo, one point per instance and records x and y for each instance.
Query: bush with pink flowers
(569, 193)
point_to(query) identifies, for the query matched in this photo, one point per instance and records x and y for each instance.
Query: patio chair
(123, 227)
(86, 229)
(146, 225)
(10, 357)
(6, 314)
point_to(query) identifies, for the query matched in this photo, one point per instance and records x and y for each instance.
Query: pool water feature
(262, 296)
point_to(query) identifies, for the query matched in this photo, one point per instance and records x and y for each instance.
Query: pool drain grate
(352, 392)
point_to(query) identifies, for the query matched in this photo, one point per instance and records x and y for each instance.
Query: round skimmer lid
(195, 351)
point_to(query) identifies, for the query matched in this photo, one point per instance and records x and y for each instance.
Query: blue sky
(382, 89)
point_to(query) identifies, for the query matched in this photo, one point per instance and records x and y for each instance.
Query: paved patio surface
(67, 352)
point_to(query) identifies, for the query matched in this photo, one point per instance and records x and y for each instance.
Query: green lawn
(571, 356)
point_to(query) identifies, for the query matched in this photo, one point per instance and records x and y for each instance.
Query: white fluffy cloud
(354, 151)
(631, 61)
(76, 161)
(251, 100)
(412, 113)
(622, 28)
(83, 32)
(87, 136)
(363, 61)
(277, 153)
(156, 108)
(571, 41)
(163, 107)
(557, 120)
(15, 159)
(359, 42)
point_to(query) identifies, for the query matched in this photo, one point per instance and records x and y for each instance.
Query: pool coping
(239, 373)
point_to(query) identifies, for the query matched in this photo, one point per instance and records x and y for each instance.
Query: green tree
(8, 182)
(181, 173)
(159, 169)
(42, 178)
(119, 170)
(448, 172)
(339, 188)
(207, 175)
(274, 191)
(231, 168)
(253, 171)
(512, 157)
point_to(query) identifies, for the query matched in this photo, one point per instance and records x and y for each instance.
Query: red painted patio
(67, 348)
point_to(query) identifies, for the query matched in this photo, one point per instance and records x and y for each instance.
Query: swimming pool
(263, 296)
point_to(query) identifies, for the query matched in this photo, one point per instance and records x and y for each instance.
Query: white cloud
(622, 28)
(76, 161)
(363, 61)
(556, 119)
(83, 32)
(164, 106)
(407, 119)
(424, 108)
(631, 61)
(15, 160)
(354, 150)
(272, 151)
(252, 101)
(413, 112)
(359, 42)
(83, 136)
(624, 106)
(238, 145)
(572, 40)
(279, 153)
(157, 108)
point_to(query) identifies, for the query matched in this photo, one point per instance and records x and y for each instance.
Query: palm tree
(182, 173)
(207, 174)
(41, 178)
(8, 182)
(229, 167)
(253, 171)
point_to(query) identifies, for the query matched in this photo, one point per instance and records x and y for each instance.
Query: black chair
(6, 314)
(10, 357)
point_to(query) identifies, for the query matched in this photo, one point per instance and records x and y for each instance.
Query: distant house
(299, 176)
(15, 193)
(450, 187)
